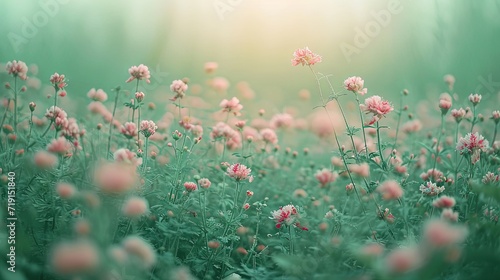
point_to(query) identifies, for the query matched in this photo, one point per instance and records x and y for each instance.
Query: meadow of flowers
(176, 188)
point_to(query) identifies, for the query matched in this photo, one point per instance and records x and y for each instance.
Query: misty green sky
(391, 44)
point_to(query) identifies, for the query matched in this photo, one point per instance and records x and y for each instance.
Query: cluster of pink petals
(432, 175)
(141, 250)
(75, 258)
(449, 215)
(129, 130)
(411, 126)
(231, 137)
(458, 114)
(472, 143)
(439, 234)
(97, 95)
(390, 190)
(190, 186)
(58, 80)
(126, 156)
(70, 129)
(140, 72)
(305, 57)
(403, 260)
(449, 80)
(376, 106)
(45, 160)
(445, 103)
(115, 178)
(148, 128)
(204, 183)
(386, 215)
(283, 120)
(135, 207)
(60, 146)
(219, 84)
(210, 67)
(355, 84)
(233, 105)
(269, 136)
(17, 69)
(444, 202)
(431, 189)
(475, 98)
(362, 169)
(239, 172)
(325, 176)
(55, 112)
(287, 215)
(178, 87)
(490, 178)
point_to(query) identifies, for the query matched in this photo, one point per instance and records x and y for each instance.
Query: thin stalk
(438, 142)
(145, 156)
(494, 134)
(399, 121)
(380, 147)
(112, 120)
(337, 140)
(29, 133)
(15, 104)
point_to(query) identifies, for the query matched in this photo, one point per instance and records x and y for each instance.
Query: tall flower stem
(117, 89)
(494, 134)
(145, 156)
(363, 127)
(438, 142)
(56, 89)
(379, 144)
(29, 133)
(337, 140)
(290, 237)
(399, 121)
(15, 104)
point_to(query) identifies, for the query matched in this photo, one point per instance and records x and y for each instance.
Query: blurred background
(391, 44)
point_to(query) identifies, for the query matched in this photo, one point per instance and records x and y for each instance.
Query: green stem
(15, 104)
(379, 144)
(112, 120)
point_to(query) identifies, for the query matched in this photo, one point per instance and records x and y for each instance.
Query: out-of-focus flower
(142, 250)
(233, 105)
(444, 202)
(97, 95)
(135, 207)
(325, 176)
(269, 136)
(390, 190)
(75, 258)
